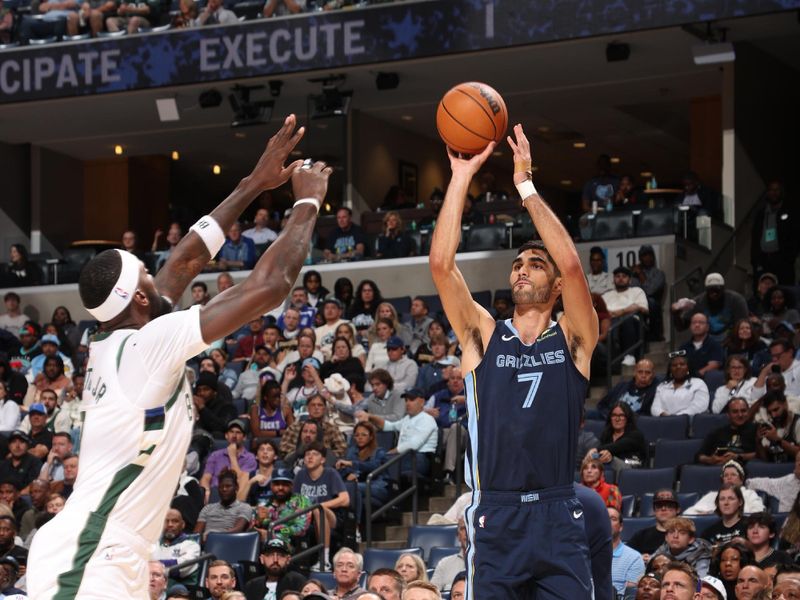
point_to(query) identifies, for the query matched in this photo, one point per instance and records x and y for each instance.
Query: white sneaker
(629, 361)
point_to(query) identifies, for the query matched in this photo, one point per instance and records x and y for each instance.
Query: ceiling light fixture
(579, 145)
(175, 155)
(566, 182)
(118, 150)
(216, 169)
(615, 160)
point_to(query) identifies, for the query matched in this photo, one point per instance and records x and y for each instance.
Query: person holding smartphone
(777, 438)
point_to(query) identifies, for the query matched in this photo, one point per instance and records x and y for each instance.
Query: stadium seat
(703, 522)
(700, 478)
(705, 423)
(430, 536)
(642, 481)
(379, 558)
(596, 426)
(685, 499)
(656, 221)
(663, 428)
(674, 453)
(612, 226)
(326, 579)
(438, 553)
(486, 237)
(758, 468)
(628, 504)
(234, 547)
(484, 298)
(386, 439)
(434, 304)
(632, 525)
(402, 304)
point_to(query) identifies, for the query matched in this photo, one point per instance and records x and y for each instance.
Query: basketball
(471, 115)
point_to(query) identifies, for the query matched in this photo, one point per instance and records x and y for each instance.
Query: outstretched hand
(311, 182)
(472, 165)
(269, 172)
(522, 154)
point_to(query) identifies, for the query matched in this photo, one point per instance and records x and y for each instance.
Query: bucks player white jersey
(136, 431)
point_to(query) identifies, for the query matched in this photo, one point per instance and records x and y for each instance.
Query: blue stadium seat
(502, 294)
(402, 304)
(484, 298)
(674, 453)
(703, 522)
(685, 499)
(628, 504)
(705, 423)
(758, 468)
(596, 426)
(431, 536)
(700, 478)
(632, 525)
(434, 304)
(385, 439)
(234, 547)
(642, 481)
(379, 558)
(663, 428)
(440, 552)
(325, 578)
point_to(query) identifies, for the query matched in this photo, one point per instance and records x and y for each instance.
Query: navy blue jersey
(524, 404)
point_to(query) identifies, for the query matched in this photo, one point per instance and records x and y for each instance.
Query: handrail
(411, 491)
(712, 266)
(319, 547)
(177, 568)
(610, 362)
(673, 298)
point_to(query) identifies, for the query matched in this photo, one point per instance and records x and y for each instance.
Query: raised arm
(471, 322)
(277, 269)
(579, 322)
(189, 257)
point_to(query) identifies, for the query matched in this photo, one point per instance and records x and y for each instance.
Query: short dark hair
(761, 518)
(424, 302)
(10, 519)
(12, 296)
(63, 434)
(538, 245)
(227, 474)
(683, 568)
(786, 344)
(317, 446)
(200, 284)
(383, 376)
(397, 579)
(98, 277)
(771, 398)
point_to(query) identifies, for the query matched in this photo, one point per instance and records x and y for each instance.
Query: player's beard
(534, 295)
(159, 306)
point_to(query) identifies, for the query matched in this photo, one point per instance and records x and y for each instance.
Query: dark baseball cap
(10, 560)
(335, 301)
(414, 393)
(21, 435)
(624, 270)
(276, 544)
(282, 475)
(395, 342)
(206, 379)
(238, 424)
(666, 497)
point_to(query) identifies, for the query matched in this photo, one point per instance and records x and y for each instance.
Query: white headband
(122, 292)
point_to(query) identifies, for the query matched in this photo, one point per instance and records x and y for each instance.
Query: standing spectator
(739, 384)
(622, 301)
(732, 474)
(366, 301)
(279, 504)
(627, 565)
(723, 307)
(680, 394)
(682, 545)
(593, 477)
(703, 353)
(600, 190)
(260, 232)
(743, 341)
(393, 242)
(773, 240)
(698, 196)
(346, 242)
(778, 439)
(734, 441)
(176, 546)
(20, 271)
(600, 280)
(275, 557)
(14, 318)
(730, 509)
(419, 322)
(403, 370)
(315, 291)
(237, 253)
(622, 445)
(638, 393)
(761, 530)
(781, 352)
(649, 539)
(281, 8)
(228, 515)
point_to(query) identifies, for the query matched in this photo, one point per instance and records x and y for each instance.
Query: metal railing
(319, 547)
(176, 569)
(410, 491)
(611, 358)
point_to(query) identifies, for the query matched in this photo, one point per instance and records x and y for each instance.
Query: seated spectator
(306, 348)
(174, 235)
(386, 310)
(622, 445)
(315, 291)
(282, 8)
(723, 307)
(296, 316)
(703, 353)
(730, 509)
(238, 252)
(208, 365)
(627, 566)
(347, 241)
(732, 474)
(761, 531)
(698, 196)
(778, 439)
(132, 15)
(785, 488)
(790, 534)
(234, 457)
(215, 14)
(790, 588)
(200, 295)
(365, 303)
(39, 492)
(20, 467)
(52, 378)
(449, 407)
(593, 476)
(53, 467)
(10, 497)
(780, 308)
(649, 539)
(638, 393)
(220, 579)
(213, 415)
(586, 441)
(281, 503)
(226, 375)
(751, 582)
(269, 418)
(347, 569)
(600, 280)
(757, 304)
(259, 368)
(378, 357)
(734, 441)
(680, 394)
(653, 281)
(332, 437)
(275, 557)
(343, 362)
(20, 357)
(10, 572)
(255, 485)
(363, 456)
(9, 410)
(726, 563)
(310, 431)
(177, 546)
(8, 545)
(260, 232)
(247, 341)
(419, 322)
(13, 319)
(387, 582)
(347, 331)
(436, 367)
(15, 383)
(411, 567)
(600, 190)
(403, 370)
(681, 544)
(622, 301)
(70, 475)
(450, 566)
(599, 365)
(394, 242)
(228, 515)
(649, 587)
(322, 485)
(738, 384)
(332, 314)
(743, 341)
(418, 431)
(421, 590)
(298, 391)
(187, 15)
(424, 354)
(782, 358)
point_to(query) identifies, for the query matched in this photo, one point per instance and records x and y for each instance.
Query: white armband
(526, 189)
(313, 201)
(210, 232)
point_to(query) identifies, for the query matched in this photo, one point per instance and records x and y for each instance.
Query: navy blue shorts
(527, 546)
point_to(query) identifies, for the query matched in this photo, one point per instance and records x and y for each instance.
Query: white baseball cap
(716, 585)
(715, 280)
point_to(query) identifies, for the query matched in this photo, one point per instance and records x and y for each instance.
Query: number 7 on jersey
(535, 379)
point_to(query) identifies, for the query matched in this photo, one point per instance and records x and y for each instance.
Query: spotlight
(275, 88)
(617, 51)
(712, 54)
(387, 81)
(118, 150)
(247, 112)
(209, 99)
(176, 155)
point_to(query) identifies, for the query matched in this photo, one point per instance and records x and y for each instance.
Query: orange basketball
(470, 116)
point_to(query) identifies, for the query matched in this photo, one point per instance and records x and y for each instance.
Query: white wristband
(210, 232)
(526, 189)
(313, 201)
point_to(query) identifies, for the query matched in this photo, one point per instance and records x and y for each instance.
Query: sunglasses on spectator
(676, 354)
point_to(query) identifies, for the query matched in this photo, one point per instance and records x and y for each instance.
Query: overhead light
(406, 118)
(175, 155)
(247, 112)
(209, 99)
(167, 109)
(617, 51)
(615, 160)
(566, 182)
(240, 135)
(296, 153)
(543, 129)
(647, 174)
(713, 53)
(579, 145)
(497, 153)
(387, 81)
(118, 150)
(216, 169)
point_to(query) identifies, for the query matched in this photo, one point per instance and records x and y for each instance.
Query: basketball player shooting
(525, 386)
(138, 404)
